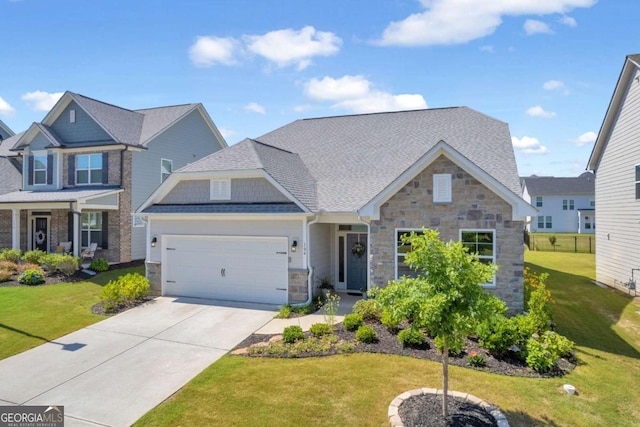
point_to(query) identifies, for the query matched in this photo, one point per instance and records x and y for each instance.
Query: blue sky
(548, 68)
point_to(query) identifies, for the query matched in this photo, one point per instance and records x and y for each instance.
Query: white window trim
(213, 195)
(162, 172)
(89, 169)
(395, 242)
(541, 202)
(89, 230)
(437, 178)
(492, 284)
(33, 172)
(538, 221)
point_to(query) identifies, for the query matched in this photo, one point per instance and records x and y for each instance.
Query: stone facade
(298, 289)
(473, 206)
(124, 213)
(154, 275)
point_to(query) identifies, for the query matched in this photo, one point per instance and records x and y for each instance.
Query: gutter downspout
(368, 251)
(310, 275)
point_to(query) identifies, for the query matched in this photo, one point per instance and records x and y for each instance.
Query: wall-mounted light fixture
(154, 241)
(294, 246)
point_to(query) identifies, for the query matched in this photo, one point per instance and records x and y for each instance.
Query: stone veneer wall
(298, 289)
(154, 275)
(473, 206)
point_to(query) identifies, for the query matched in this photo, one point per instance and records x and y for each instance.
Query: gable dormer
(74, 126)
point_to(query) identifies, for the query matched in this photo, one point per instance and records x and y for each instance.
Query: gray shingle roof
(157, 119)
(64, 195)
(8, 144)
(226, 208)
(5, 131)
(10, 166)
(354, 158)
(585, 184)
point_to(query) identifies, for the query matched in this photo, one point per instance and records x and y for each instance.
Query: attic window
(442, 188)
(72, 116)
(221, 189)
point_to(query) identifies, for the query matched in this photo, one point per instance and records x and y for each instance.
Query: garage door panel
(226, 267)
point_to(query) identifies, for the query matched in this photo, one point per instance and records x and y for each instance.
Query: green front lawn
(30, 316)
(357, 389)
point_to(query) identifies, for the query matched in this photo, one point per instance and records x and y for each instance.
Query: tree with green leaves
(446, 297)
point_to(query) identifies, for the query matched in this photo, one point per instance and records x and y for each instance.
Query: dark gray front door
(356, 265)
(40, 234)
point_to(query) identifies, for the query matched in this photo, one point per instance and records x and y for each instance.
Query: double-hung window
(568, 205)
(538, 201)
(91, 228)
(402, 248)
(40, 169)
(88, 169)
(482, 243)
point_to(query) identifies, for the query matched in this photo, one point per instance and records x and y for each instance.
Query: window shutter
(220, 189)
(49, 169)
(442, 188)
(105, 230)
(105, 167)
(70, 226)
(30, 170)
(72, 169)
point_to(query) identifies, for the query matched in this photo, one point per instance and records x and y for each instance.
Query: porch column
(77, 216)
(15, 228)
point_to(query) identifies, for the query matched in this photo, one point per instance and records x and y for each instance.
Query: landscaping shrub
(537, 300)
(412, 337)
(8, 266)
(12, 255)
(369, 309)
(99, 265)
(5, 275)
(69, 265)
(126, 289)
(31, 277)
(544, 351)
(330, 308)
(477, 360)
(390, 321)
(21, 268)
(292, 334)
(366, 334)
(284, 313)
(352, 321)
(34, 257)
(456, 345)
(320, 329)
(497, 335)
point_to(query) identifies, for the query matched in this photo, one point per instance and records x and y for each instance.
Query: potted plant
(326, 286)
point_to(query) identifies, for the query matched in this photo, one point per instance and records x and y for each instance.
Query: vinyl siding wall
(562, 221)
(185, 142)
(618, 211)
(320, 251)
(85, 129)
(243, 190)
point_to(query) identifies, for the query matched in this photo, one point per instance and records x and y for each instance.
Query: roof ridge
(384, 112)
(102, 102)
(271, 146)
(166, 106)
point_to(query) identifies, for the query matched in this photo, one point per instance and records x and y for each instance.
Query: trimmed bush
(389, 320)
(412, 337)
(31, 277)
(292, 334)
(366, 334)
(126, 289)
(352, 321)
(21, 268)
(497, 335)
(34, 257)
(320, 329)
(99, 265)
(12, 255)
(8, 266)
(5, 275)
(369, 309)
(69, 265)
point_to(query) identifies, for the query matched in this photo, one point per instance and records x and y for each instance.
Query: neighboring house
(565, 205)
(5, 131)
(264, 220)
(86, 167)
(615, 160)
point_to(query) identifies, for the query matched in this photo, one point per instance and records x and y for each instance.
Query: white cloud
(355, 93)
(255, 108)
(528, 145)
(207, 51)
(553, 85)
(5, 108)
(40, 100)
(459, 21)
(227, 133)
(538, 111)
(532, 26)
(486, 48)
(568, 21)
(291, 47)
(586, 138)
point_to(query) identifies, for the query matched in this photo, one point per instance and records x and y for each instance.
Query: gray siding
(185, 142)
(320, 249)
(618, 228)
(85, 129)
(39, 142)
(243, 190)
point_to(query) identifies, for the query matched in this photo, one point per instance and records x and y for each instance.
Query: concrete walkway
(113, 372)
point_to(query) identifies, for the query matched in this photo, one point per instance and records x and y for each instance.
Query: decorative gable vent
(221, 189)
(72, 116)
(442, 188)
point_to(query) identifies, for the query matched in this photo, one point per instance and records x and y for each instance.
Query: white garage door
(236, 268)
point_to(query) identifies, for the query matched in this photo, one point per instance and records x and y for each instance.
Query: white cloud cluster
(528, 145)
(355, 93)
(459, 21)
(532, 26)
(284, 48)
(41, 101)
(254, 107)
(538, 111)
(586, 138)
(568, 21)
(553, 85)
(5, 108)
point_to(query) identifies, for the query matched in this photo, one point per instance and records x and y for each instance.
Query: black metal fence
(582, 243)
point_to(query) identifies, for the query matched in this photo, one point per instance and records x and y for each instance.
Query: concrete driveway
(113, 372)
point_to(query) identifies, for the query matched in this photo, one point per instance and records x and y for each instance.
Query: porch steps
(88, 272)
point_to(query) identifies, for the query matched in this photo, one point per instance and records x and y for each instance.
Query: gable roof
(584, 184)
(7, 130)
(10, 167)
(631, 64)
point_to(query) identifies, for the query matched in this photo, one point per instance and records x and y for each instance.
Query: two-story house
(565, 204)
(89, 164)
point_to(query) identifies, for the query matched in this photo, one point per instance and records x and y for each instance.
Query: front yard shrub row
(12, 260)
(125, 290)
(12, 255)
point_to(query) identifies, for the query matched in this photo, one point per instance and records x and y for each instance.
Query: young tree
(446, 297)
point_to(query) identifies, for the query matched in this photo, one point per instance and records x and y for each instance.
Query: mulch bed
(99, 307)
(426, 411)
(388, 344)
